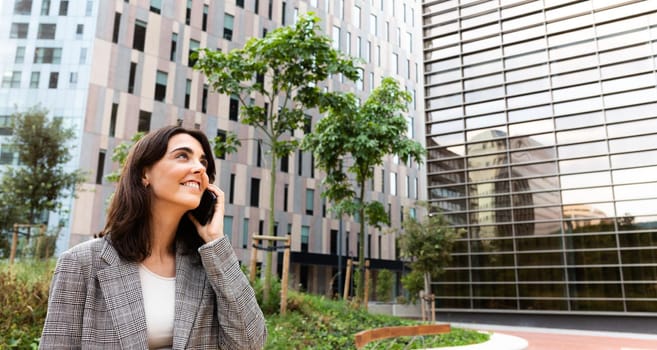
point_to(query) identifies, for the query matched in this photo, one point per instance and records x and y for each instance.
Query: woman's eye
(204, 162)
(182, 156)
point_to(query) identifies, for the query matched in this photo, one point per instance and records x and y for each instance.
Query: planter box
(400, 310)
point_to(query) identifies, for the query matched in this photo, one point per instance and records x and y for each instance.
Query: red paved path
(556, 341)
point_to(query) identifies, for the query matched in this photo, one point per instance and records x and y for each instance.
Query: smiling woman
(157, 278)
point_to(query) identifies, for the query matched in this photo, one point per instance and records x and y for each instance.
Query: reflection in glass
(636, 191)
(638, 239)
(633, 159)
(541, 274)
(539, 243)
(491, 245)
(639, 256)
(584, 165)
(543, 290)
(539, 259)
(640, 273)
(626, 176)
(595, 290)
(602, 178)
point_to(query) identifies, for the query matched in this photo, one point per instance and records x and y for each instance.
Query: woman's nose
(199, 167)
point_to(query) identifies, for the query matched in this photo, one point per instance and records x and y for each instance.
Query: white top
(159, 304)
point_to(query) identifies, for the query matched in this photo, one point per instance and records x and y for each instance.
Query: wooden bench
(364, 337)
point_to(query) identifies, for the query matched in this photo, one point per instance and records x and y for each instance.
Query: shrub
(24, 299)
(384, 280)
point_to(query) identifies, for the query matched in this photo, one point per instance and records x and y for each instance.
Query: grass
(312, 321)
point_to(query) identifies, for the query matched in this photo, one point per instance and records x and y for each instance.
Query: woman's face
(178, 179)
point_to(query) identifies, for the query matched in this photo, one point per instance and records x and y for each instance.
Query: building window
(283, 5)
(45, 7)
(221, 138)
(245, 233)
(18, 31)
(285, 196)
(174, 46)
(5, 125)
(305, 232)
(100, 168)
(299, 162)
(63, 8)
(193, 46)
(204, 24)
(231, 189)
(160, 86)
(228, 26)
(117, 26)
(307, 124)
(131, 77)
(239, 3)
(336, 37)
(355, 19)
(23, 7)
(383, 182)
(310, 201)
(188, 13)
(233, 109)
(188, 92)
(285, 160)
(47, 55)
(255, 192)
(73, 79)
(156, 6)
(83, 55)
(259, 154)
(79, 31)
(54, 80)
(113, 115)
(34, 80)
(256, 6)
(89, 8)
(270, 9)
(7, 154)
(11, 80)
(20, 54)
(204, 99)
(139, 37)
(144, 122)
(46, 31)
(393, 184)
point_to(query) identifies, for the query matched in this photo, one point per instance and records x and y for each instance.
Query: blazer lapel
(190, 282)
(121, 288)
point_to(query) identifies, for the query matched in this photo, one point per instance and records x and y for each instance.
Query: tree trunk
(270, 229)
(360, 291)
(427, 295)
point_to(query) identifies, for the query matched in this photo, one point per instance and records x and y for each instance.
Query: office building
(113, 68)
(541, 122)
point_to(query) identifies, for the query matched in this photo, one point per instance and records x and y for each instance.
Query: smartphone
(203, 213)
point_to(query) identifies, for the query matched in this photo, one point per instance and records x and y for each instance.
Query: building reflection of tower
(502, 201)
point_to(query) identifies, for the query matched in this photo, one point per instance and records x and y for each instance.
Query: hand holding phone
(203, 213)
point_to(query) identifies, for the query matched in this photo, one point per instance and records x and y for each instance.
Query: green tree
(361, 136)
(40, 181)
(283, 70)
(428, 244)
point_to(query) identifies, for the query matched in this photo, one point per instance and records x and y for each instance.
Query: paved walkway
(566, 339)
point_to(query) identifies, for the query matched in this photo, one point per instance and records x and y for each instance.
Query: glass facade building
(541, 124)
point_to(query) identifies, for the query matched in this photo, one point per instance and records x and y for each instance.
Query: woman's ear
(144, 181)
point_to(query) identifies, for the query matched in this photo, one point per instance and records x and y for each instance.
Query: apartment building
(114, 68)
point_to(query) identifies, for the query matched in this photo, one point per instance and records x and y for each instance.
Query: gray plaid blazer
(96, 302)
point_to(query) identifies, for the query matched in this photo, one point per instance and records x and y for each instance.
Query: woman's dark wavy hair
(129, 215)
